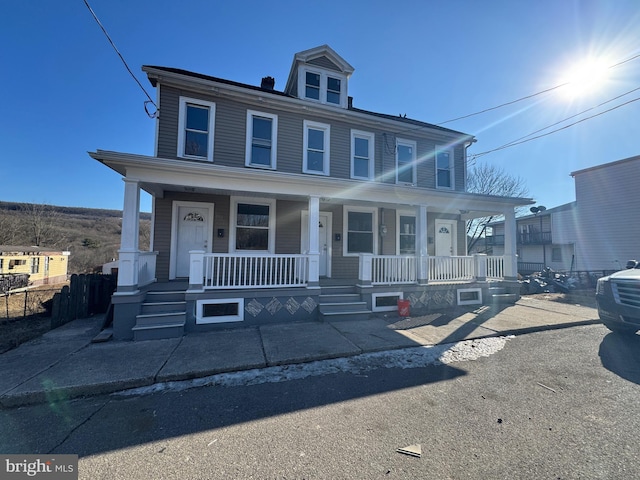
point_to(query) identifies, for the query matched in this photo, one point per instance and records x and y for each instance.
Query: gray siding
(230, 140)
(324, 62)
(607, 211)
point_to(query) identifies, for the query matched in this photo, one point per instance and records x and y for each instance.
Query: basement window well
(220, 310)
(469, 296)
(386, 302)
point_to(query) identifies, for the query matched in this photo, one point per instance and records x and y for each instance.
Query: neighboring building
(599, 232)
(268, 204)
(608, 198)
(44, 266)
(544, 239)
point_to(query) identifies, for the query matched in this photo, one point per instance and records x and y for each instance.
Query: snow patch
(415, 357)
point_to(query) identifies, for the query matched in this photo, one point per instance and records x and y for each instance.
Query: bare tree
(40, 223)
(490, 180)
(10, 228)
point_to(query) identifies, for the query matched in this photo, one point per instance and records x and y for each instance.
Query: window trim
(308, 125)
(371, 138)
(249, 139)
(345, 228)
(452, 177)
(413, 144)
(406, 213)
(324, 79)
(182, 126)
(233, 223)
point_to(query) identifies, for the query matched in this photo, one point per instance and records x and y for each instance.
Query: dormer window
(312, 89)
(320, 75)
(323, 87)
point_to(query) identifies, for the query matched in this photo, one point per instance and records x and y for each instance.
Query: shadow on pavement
(620, 354)
(102, 424)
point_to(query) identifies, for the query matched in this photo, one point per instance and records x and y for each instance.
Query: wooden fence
(84, 296)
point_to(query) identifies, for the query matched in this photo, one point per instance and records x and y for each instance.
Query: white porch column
(421, 244)
(314, 242)
(364, 269)
(196, 271)
(128, 253)
(510, 250)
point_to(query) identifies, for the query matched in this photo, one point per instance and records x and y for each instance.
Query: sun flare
(584, 78)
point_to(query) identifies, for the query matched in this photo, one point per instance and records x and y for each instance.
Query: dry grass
(23, 316)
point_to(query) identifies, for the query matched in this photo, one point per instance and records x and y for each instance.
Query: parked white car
(618, 298)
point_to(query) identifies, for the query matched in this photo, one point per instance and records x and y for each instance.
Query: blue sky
(64, 91)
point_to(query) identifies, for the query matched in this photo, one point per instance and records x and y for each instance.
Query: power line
(530, 96)
(565, 119)
(512, 144)
(146, 103)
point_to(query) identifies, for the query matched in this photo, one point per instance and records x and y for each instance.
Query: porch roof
(157, 175)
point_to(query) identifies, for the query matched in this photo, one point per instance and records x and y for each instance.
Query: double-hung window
(35, 265)
(253, 223)
(323, 87)
(262, 135)
(406, 234)
(444, 168)
(405, 161)
(196, 127)
(316, 148)
(362, 156)
(360, 224)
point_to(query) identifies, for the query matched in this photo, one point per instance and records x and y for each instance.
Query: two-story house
(275, 206)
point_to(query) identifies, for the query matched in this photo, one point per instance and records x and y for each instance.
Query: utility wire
(150, 101)
(530, 96)
(564, 120)
(512, 144)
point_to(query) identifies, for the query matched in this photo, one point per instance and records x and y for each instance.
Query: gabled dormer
(320, 75)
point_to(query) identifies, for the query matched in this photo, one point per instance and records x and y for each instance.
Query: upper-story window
(196, 128)
(262, 134)
(444, 168)
(362, 156)
(405, 161)
(323, 87)
(316, 148)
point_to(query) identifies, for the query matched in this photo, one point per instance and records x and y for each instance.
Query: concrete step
(157, 296)
(342, 307)
(163, 307)
(337, 289)
(145, 319)
(156, 326)
(344, 315)
(339, 297)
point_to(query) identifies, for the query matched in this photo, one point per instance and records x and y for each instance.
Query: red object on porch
(404, 308)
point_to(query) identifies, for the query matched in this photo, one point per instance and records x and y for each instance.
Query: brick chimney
(268, 83)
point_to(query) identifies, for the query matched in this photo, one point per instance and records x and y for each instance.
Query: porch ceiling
(159, 175)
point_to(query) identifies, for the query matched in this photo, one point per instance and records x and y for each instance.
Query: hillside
(91, 235)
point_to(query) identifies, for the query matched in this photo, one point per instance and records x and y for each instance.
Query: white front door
(324, 240)
(446, 238)
(192, 231)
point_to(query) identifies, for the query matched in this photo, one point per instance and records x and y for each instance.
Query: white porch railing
(229, 270)
(449, 269)
(394, 269)
(495, 267)
(391, 269)
(146, 268)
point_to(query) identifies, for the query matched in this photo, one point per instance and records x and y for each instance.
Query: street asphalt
(67, 363)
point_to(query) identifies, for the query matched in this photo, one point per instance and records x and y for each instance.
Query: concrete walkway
(64, 363)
